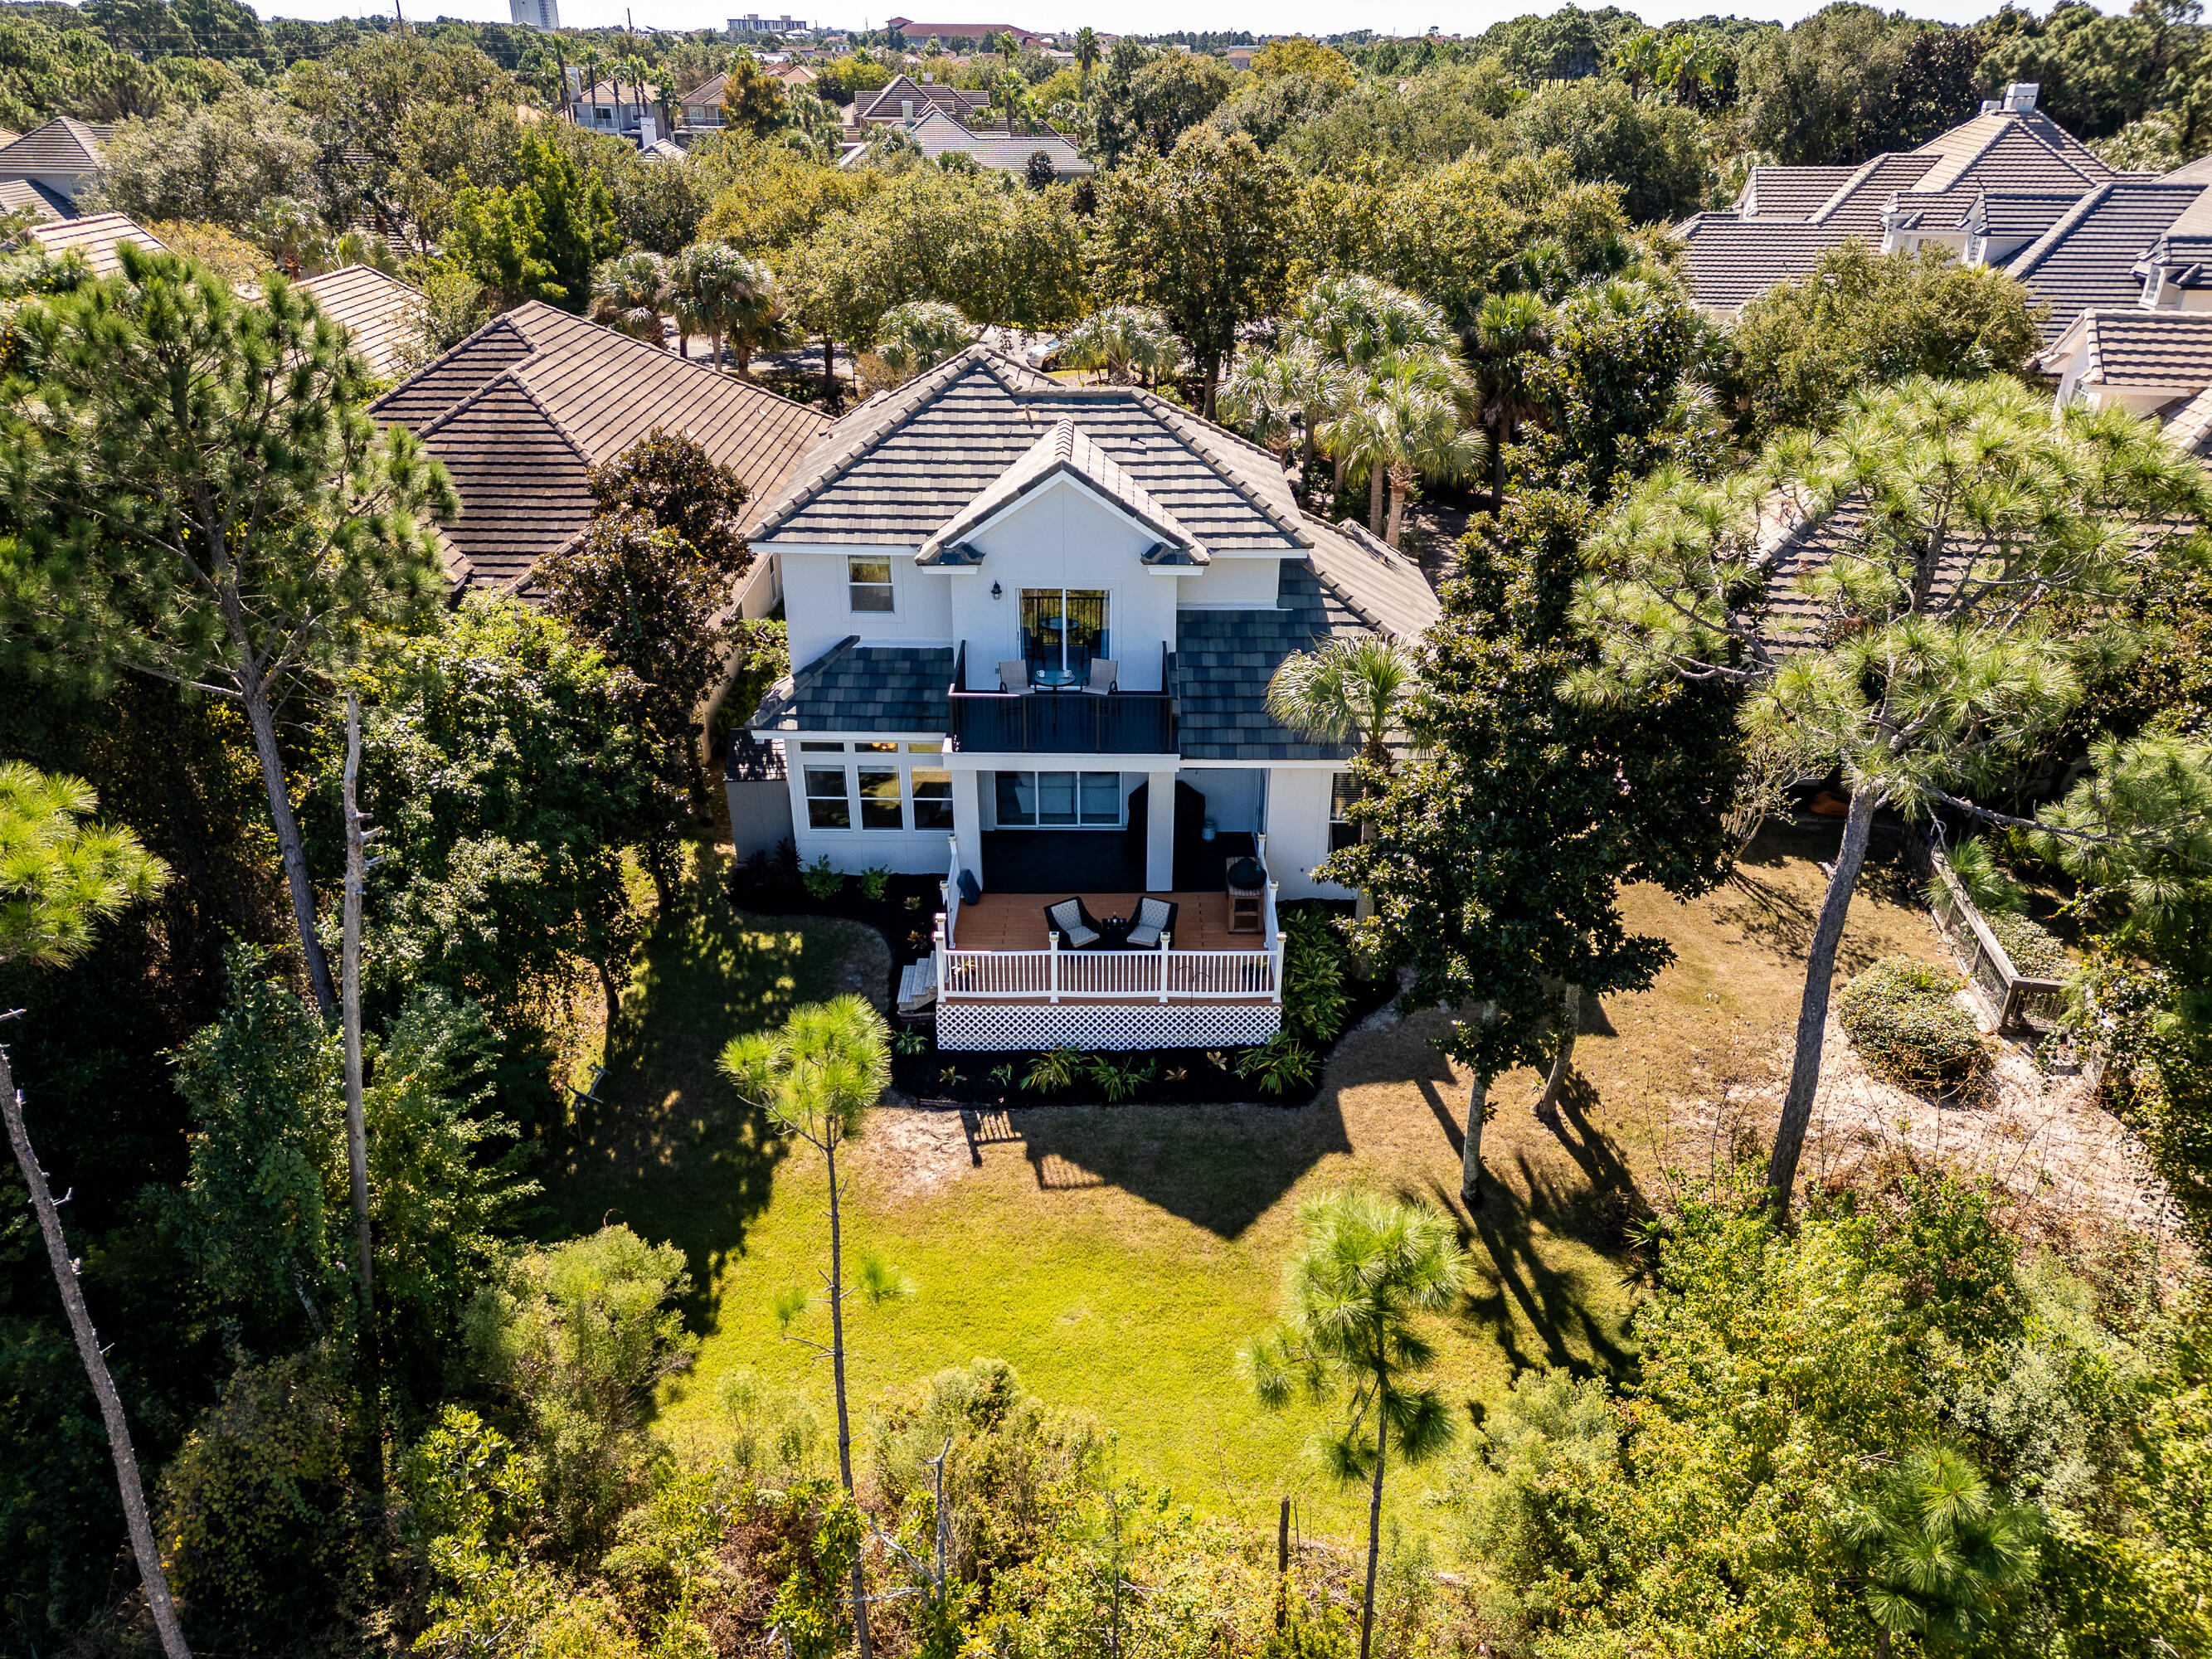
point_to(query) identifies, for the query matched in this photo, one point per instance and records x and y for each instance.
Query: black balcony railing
(1073, 722)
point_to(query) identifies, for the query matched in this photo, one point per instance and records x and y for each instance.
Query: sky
(1113, 16)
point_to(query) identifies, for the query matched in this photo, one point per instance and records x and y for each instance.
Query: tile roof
(706, 92)
(2087, 257)
(381, 315)
(64, 144)
(2024, 151)
(888, 105)
(616, 92)
(1795, 619)
(2132, 347)
(1007, 152)
(1780, 193)
(522, 408)
(853, 687)
(1732, 261)
(1383, 587)
(2190, 431)
(95, 237)
(1856, 205)
(27, 195)
(1064, 451)
(1225, 659)
(897, 469)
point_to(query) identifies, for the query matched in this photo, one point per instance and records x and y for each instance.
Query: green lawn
(1116, 1257)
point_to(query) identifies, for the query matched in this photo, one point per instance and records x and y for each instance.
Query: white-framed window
(868, 582)
(933, 798)
(828, 804)
(1058, 800)
(880, 798)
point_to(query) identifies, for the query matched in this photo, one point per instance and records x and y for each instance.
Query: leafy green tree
(200, 496)
(1858, 319)
(1998, 522)
(60, 875)
(658, 205)
(215, 166)
(816, 1079)
(574, 224)
(1511, 329)
(1268, 391)
(1351, 1300)
(752, 99)
(1086, 52)
(1496, 858)
(917, 336)
(1940, 1553)
(2094, 73)
(1655, 152)
(1202, 233)
(1851, 81)
(495, 239)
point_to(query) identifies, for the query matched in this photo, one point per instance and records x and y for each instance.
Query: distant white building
(754, 23)
(536, 13)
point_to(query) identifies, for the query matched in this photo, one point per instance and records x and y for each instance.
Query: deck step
(918, 986)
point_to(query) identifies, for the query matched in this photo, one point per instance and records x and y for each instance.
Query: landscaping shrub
(1281, 1064)
(2033, 950)
(1315, 963)
(1901, 1016)
(822, 883)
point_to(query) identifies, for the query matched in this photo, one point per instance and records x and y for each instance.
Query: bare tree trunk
(1375, 480)
(1374, 1530)
(1813, 1010)
(837, 1372)
(95, 1366)
(1478, 1109)
(356, 878)
(1396, 526)
(1570, 1018)
(829, 373)
(263, 725)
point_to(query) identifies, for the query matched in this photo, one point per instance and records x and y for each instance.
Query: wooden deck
(1015, 921)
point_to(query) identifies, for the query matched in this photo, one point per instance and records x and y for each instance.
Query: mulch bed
(905, 913)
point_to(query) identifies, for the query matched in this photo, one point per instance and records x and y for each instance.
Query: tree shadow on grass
(669, 1149)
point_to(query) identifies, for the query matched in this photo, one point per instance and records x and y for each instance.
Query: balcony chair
(1104, 671)
(1077, 928)
(1014, 676)
(1155, 920)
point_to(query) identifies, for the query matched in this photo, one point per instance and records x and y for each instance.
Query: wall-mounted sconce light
(997, 592)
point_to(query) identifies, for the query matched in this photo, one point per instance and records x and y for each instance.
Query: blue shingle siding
(1225, 659)
(862, 688)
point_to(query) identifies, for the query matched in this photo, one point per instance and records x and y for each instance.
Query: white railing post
(938, 937)
(1279, 939)
(1052, 966)
(1166, 939)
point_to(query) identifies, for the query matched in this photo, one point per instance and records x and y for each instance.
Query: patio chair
(1155, 920)
(1104, 671)
(1077, 928)
(1014, 676)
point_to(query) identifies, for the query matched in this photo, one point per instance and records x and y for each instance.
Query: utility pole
(356, 878)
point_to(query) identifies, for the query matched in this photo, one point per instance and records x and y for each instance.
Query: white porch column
(968, 821)
(1159, 831)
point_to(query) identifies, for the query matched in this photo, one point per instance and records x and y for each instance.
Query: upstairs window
(868, 583)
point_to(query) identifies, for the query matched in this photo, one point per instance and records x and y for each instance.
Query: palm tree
(1354, 324)
(1509, 328)
(59, 877)
(1403, 418)
(1124, 342)
(1350, 690)
(1939, 1557)
(816, 1079)
(1007, 47)
(1350, 1300)
(629, 292)
(915, 337)
(1267, 391)
(731, 296)
(1086, 53)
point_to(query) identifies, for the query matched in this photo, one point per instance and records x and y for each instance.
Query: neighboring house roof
(794, 75)
(663, 149)
(62, 145)
(937, 133)
(1732, 261)
(2087, 257)
(2027, 147)
(2190, 431)
(381, 315)
(2149, 350)
(706, 92)
(96, 237)
(897, 469)
(952, 31)
(523, 409)
(890, 104)
(613, 92)
(1857, 204)
(28, 196)
(1064, 451)
(1781, 193)
(853, 687)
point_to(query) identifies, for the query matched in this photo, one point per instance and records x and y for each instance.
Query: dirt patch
(913, 1153)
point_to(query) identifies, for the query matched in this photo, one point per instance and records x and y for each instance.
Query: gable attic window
(868, 583)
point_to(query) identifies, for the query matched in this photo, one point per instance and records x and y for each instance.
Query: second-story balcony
(1074, 720)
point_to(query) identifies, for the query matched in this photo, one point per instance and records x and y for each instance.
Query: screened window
(868, 583)
(1059, 799)
(880, 798)
(1063, 629)
(827, 806)
(1343, 792)
(932, 799)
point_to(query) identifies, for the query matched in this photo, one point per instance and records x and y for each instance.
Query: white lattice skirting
(1030, 1025)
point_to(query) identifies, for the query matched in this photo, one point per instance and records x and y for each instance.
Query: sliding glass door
(1063, 629)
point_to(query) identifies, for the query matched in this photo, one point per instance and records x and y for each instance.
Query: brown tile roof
(22, 196)
(1732, 261)
(707, 92)
(64, 144)
(937, 133)
(2132, 347)
(521, 410)
(888, 105)
(2088, 258)
(893, 472)
(1781, 193)
(381, 315)
(96, 237)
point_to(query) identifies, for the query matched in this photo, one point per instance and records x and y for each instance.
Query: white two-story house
(1033, 627)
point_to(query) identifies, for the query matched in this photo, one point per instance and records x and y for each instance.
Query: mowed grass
(1119, 1257)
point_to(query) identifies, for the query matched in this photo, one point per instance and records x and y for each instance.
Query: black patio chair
(1077, 928)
